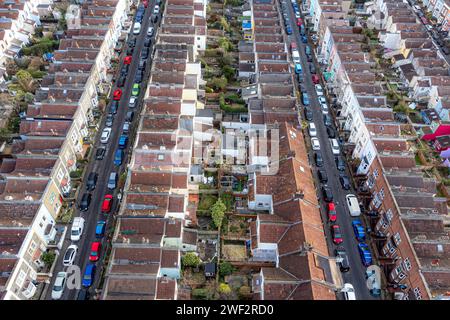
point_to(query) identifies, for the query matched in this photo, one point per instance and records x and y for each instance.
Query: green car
(136, 89)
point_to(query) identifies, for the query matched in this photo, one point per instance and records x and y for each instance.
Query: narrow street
(104, 167)
(356, 275)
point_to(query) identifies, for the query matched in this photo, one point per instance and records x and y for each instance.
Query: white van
(295, 56)
(77, 229)
(353, 205)
(312, 130)
(335, 147)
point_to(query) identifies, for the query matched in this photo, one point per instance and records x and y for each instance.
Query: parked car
(322, 174)
(342, 259)
(150, 31)
(327, 194)
(315, 78)
(112, 181)
(304, 39)
(305, 99)
(130, 50)
(335, 147)
(319, 89)
(118, 157)
(123, 140)
(126, 127)
(95, 251)
(137, 28)
(336, 234)
(302, 88)
(100, 153)
(322, 99)
(318, 159)
(59, 286)
(365, 254)
(83, 295)
(131, 42)
(145, 3)
(345, 182)
(106, 133)
(109, 120)
(349, 292)
(142, 64)
(91, 181)
(358, 230)
(300, 78)
(117, 94)
(85, 202)
(327, 120)
(70, 255)
(331, 133)
(331, 209)
(144, 53)
(340, 163)
(129, 116)
(89, 275)
(132, 102)
(121, 81)
(308, 114)
(324, 108)
(299, 22)
(77, 228)
(127, 60)
(288, 30)
(114, 106)
(312, 130)
(315, 144)
(100, 229)
(312, 68)
(156, 9)
(136, 89)
(107, 203)
(147, 42)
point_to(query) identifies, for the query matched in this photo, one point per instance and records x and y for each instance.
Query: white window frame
(407, 264)
(397, 238)
(32, 248)
(21, 278)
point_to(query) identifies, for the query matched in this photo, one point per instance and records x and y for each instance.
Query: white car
(105, 135)
(319, 89)
(335, 147)
(312, 130)
(150, 31)
(315, 144)
(156, 9)
(137, 28)
(349, 292)
(297, 14)
(417, 7)
(324, 108)
(60, 284)
(132, 102)
(322, 100)
(70, 255)
(429, 28)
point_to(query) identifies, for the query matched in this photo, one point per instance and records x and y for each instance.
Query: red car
(299, 21)
(145, 3)
(293, 45)
(117, 94)
(332, 216)
(127, 60)
(107, 203)
(315, 79)
(336, 234)
(95, 251)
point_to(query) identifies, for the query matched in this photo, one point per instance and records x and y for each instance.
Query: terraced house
(146, 255)
(408, 218)
(54, 135)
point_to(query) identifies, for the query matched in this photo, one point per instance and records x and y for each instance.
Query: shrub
(218, 212)
(190, 259)
(200, 293)
(48, 258)
(225, 269)
(224, 288)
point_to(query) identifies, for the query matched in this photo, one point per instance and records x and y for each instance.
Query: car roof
(95, 245)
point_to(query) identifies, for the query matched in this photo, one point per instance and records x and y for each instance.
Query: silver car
(59, 286)
(105, 135)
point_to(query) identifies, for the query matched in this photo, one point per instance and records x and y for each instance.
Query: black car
(131, 42)
(100, 153)
(331, 133)
(138, 76)
(312, 68)
(327, 194)
(121, 81)
(342, 259)
(91, 181)
(300, 78)
(124, 70)
(302, 88)
(308, 114)
(345, 182)
(142, 64)
(327, 120)
(85, 202)
(445, 50)
(83, 295)
(114, 107)
(154, 18)
(318, 159)
(340, 163)
(322, 176)
(129, 117)
(147, 42)
(144, 53)
(130, 51)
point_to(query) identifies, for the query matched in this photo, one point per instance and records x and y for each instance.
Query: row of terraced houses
(412, 242)
(36, 180)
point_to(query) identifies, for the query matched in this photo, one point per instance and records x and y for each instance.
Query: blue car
(358, 229)
(288, 30)
(364, 253)
(305, 99)
(100, 229)
(123, 140)
(298, 68)
(302, 30)
(304, 39)
(89, 275)
(118, 157)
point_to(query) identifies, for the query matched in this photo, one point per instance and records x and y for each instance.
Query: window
(407, 264)
(375, 173)
(32, 248)
(389, 215)
(397, 239)
(160, 157)
(371, 181)
(381, 193)
(60, 175)
(74, 137)
(21, 278)
(417, 293)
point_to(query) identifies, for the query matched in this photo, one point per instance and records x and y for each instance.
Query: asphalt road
(356, 275)
(105, 166)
